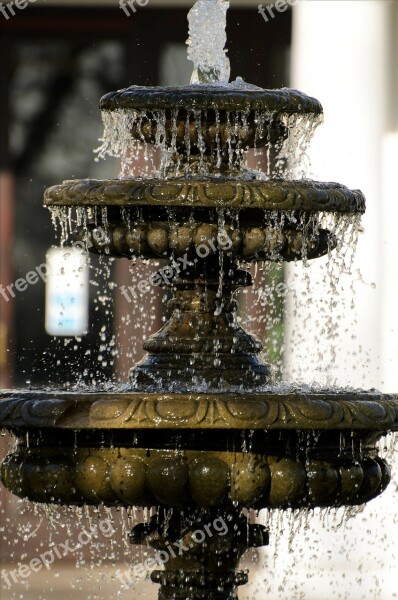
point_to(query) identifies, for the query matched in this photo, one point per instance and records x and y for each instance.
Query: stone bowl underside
(147, 477)
(275, 450)
(167, 239)
(204, 97)
(208, 119)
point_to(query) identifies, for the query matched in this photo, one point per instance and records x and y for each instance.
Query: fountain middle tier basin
(217, 192)
(277, 220)
(276, 449)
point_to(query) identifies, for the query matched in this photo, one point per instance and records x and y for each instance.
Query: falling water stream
(282, 572)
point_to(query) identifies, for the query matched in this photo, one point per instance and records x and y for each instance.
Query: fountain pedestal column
(200, 551)
(202, 346)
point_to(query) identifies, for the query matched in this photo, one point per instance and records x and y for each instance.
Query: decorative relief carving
(309, 196)
(211, 97)
(291, 410)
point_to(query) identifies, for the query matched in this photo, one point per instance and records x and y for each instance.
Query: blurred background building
(57, 59)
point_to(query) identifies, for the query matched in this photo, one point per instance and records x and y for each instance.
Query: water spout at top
(206, 43)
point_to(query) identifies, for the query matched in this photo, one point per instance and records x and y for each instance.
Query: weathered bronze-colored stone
(208, 480)
(271, 410)
(219, 125)
(201, 478)
(288, 479)
(272, 195)
(158, 240)
(136, 240)
(284, 101)
(322, 482)
(12, 474)
(128, 478)
(181, 238)
(92, 479)
(58, 476)
(385, 474)
(213, 541)
(34, 479)
(202, 325)
(168, 480)
(250, 480)
(371, 481)
(119, 240)
(171, 240)
(351, 478)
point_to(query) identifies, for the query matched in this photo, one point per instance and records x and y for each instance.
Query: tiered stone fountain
(174, 440)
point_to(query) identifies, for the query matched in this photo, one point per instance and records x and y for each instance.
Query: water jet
(173, 439)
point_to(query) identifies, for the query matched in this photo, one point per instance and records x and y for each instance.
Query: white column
(389, 299)
(340, 56)
(389, 306)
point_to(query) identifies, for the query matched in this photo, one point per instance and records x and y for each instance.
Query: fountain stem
(210, 545)
(202, 345)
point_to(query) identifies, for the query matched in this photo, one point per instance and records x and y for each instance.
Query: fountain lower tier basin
(285, 450)
(270, 410)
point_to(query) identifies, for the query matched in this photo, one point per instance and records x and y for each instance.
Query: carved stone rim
(111, 410)
(273, 195)
(206, 97)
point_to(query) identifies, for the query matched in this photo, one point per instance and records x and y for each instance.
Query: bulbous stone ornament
(92, 479)
(128, 478)
(288, 479)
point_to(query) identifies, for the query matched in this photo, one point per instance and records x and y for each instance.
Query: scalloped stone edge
(273, 195)
(270, 411)
(285, 100)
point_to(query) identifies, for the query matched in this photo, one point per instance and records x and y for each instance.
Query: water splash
(211, 65)
(162, 146)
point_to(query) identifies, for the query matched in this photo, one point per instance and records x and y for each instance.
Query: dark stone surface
(206, 97)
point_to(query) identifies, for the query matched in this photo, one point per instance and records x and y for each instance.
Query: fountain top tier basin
(213, 121)
(232, 97)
